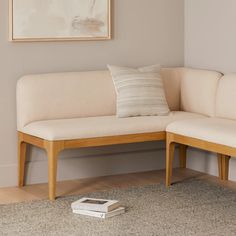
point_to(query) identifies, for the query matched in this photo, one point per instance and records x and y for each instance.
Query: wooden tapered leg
(21, 160)
(220, 157)
(53, 150)
(225, 167)
(182, 155)
(170, 150)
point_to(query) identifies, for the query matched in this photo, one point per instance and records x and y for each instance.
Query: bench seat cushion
(101, 126)
(215, 130)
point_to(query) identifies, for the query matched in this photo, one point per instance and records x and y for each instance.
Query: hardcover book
(103, 215)
(93, 204)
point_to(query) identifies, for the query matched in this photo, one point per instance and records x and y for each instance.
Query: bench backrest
(86, 94)
(77, 94)
(198, 91)
(226, 97)
(64, 95)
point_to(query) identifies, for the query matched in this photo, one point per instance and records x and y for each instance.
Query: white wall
(210, 43)
(210, 34)
(145, 32)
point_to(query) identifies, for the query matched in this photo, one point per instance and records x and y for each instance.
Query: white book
(94, 204)
(103, 215)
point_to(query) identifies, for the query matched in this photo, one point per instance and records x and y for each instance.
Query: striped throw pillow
(140, 92)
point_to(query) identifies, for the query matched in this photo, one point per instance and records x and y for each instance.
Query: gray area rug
(193, 207)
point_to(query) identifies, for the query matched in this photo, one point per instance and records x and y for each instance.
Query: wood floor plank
(84, 186)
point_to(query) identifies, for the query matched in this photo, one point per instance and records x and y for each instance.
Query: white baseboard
(107, 163)
(87, 167)
(8, 176)
(207, 162)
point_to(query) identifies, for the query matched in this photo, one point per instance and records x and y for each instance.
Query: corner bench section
(53, 148)
(224, 153)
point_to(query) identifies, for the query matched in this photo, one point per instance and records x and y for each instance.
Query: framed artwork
(59, 20)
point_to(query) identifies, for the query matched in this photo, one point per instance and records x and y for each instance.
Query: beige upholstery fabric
(66, 129)
(64, 95)
(198, 91)
(171, 78)
(226, 97)
(78, 94)
(216, 130)
(140, 92)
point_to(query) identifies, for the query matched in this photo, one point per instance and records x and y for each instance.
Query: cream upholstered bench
(73, 110)
(216, 133)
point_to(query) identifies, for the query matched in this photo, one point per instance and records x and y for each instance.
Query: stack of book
(100, 208)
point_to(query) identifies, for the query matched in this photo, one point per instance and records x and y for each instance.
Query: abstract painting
(51, 20)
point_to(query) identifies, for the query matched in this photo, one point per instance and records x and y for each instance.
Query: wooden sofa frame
(53, 148)
(224, 153)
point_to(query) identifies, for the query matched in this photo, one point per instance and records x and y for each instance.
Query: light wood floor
(83, 186)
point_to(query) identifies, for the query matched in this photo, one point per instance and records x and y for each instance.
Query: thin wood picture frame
(14, 38)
